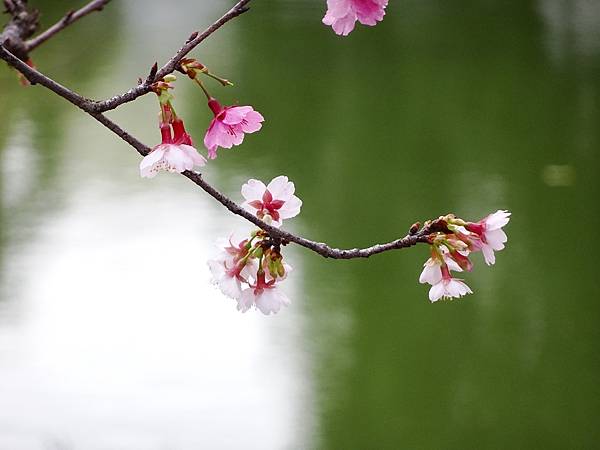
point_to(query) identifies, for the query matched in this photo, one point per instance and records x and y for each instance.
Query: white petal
(280, 188)
(253, 190)
(250, 269)
(432, 272)
(290, 208)
(217, 269)
(177, 160)
(488, 254)
(436, 292)
(247, 207)
(230, 286)
(193, 154)
(149, 161)
(271, 300)
(246, 300)
(497, 220)
(452, 265)
(496, 239)
(457, 288)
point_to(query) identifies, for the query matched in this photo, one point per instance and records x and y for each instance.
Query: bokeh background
(111, 336)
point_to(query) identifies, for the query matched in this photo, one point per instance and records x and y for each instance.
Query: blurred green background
(111, 337)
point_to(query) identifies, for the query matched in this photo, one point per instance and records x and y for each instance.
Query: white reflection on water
(16, 160)
(571, 23)
(110, 333)
(118, 339)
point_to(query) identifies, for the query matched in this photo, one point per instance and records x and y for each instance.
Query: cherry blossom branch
(280, 235)
(156, 74)
(25, 22)
(35, 77)
(68, 19)
(22, 25)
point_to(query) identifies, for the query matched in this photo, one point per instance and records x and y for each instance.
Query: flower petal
(497, 220)
(253, 190)
(281, 188)
(147, 164)
(235, 114)
(432, 272)
(291, 208)
(252, 122)
(436, 292)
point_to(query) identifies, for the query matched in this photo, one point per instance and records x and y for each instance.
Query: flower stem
(203, 88)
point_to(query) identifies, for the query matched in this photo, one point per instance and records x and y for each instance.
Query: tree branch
(68, 19)
(22, 25)
(283, 237)
(36, 77)
(239, 8)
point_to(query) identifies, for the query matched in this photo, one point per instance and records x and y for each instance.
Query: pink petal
(252, 122)
(212, 152)
(210, 138)
(369, 12)
(235, 114)
(344, 26)
(337, 9)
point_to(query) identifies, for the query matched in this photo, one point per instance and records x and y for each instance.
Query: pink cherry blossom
(229, 126)
(432, 269)
(490, 234)
(265, 295)
(271, 203)
(230, 268)
(448, 287)
(343, 14)
(172, 154)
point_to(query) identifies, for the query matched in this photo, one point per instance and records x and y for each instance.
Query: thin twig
(68, 19)
(239, 8)
(22, 25)
(36, 77)
(319, 247)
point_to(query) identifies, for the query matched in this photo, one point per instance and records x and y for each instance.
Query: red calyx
(215, 106)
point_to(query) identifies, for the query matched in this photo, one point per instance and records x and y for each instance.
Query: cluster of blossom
(450, 252)
(176, 152)
(251, 269)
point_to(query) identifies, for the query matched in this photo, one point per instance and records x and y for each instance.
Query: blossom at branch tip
(451, 245)
(271, 203)
(447, 287)
(173, 154)
(432, 269)
(229, 125)
(343, 14)
(490, 234)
